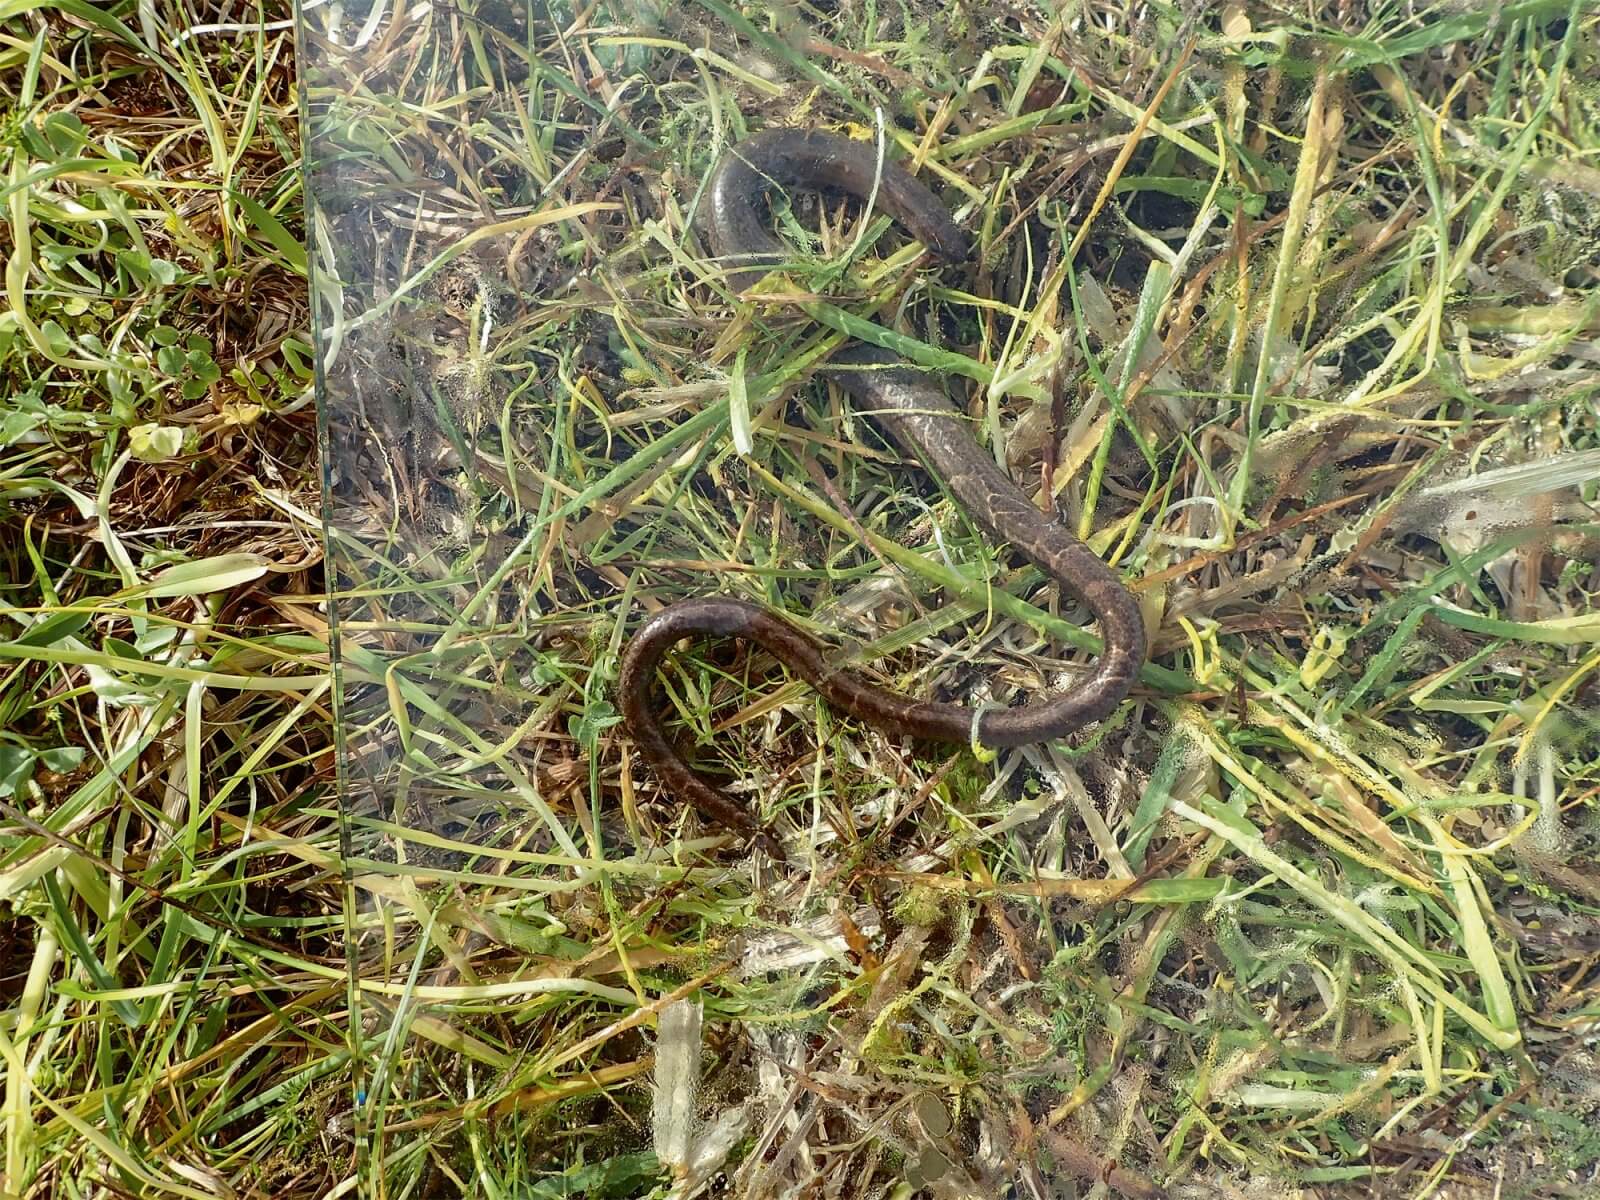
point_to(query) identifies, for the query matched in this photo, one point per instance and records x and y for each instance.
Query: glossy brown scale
(924, 423)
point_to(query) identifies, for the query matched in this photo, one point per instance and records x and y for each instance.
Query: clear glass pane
(547, 416)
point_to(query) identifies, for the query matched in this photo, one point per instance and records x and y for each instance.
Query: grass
(1296, 317)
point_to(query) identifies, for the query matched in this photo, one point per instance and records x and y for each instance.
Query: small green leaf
(155, 443)
(15, 425)
(65, 133)
(154, 639)
(57, 343)
(62, 759)
(16, 768)
(59, 256)
(204, 576)
(587, 727)
(35, 143)
(273, 232)
(135, 263)
(739, 406)
(120, 648)
(54, 628)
